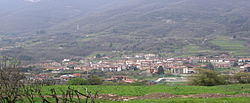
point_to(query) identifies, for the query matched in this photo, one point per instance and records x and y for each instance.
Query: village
(141, 67)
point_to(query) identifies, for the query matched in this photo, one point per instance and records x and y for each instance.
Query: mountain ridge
(166, 27)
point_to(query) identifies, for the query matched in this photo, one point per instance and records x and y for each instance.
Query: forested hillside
(60, 28)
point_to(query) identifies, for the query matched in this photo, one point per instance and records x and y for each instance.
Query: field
(191, 50)
(181, 93)
(177, 100)
(235, 47)
(187, 100)
(143, 90)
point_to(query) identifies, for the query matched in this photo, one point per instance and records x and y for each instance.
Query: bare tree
(10, 80)
(15, 87)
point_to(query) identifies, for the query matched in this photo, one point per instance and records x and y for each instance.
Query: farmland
(143, 90)
(235, 47)
(189, 100)
(180, 100)
(181, 93)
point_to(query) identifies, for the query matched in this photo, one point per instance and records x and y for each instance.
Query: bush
(78, 81)
(140, 83)
(114, 83)
(109, 83)
(207, 78)
(95, 80)
(243, 78)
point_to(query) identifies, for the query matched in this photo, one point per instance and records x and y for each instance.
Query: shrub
(114, 83)
(140, 83)
(78, 81)
(207, 78)
(95, 80)
(243, 77)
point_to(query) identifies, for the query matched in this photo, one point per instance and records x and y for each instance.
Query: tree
(160, 70)
(98, 55)
(133, 68)
(78, 81)
(15, 88)
(210, 66)
(11, 84)
(235, 64)
(95, 80)
(207, 78)
(111, 45)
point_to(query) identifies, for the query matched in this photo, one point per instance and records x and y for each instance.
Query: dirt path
(165, 95)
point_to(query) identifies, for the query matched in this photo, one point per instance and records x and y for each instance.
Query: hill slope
(83, 27)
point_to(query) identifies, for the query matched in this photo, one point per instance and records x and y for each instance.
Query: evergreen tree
(160, 70)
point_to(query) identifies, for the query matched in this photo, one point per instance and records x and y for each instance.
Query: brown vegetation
(14, 87)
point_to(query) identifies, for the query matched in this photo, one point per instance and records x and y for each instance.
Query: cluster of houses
(124, 79)
(149, 63)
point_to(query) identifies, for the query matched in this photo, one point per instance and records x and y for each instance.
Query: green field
(187, 100)
(182, 90)
(172, 100)
(143, 90)
(191, 50)
(235, 47)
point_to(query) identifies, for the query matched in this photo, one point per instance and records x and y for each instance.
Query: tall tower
(77, 28)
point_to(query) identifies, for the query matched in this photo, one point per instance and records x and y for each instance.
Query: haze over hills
(51, 29)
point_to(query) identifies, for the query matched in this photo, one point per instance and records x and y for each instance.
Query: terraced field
(234, 47)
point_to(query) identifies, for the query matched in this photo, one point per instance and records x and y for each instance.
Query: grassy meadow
(171, 100)
(185, 100)
(125, 90)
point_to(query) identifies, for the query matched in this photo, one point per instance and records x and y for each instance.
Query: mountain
(58, 29)
(20, 16)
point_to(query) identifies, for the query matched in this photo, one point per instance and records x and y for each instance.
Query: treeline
(91, 80)
(207, 77)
